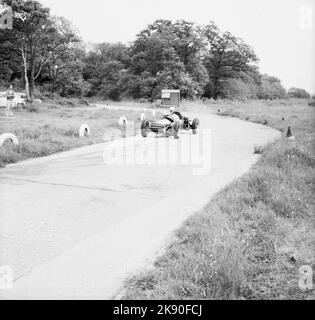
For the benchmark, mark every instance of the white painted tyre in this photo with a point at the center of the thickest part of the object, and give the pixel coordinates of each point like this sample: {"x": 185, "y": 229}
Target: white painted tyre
{"x": 84, "y": 130}
{"x": 8, "y": 136}
{"x": 123, "y": 121}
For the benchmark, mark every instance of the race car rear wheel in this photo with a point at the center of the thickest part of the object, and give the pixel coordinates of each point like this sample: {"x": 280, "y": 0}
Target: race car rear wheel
{"x": 177, "y": 130}
{"x": 145, "y": 126}
{"x": 195, "y": 125}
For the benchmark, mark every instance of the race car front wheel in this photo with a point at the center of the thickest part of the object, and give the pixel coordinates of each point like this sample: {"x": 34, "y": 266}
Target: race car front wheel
{"x": 145, "y": 128}
{"x": 195, "y": 125}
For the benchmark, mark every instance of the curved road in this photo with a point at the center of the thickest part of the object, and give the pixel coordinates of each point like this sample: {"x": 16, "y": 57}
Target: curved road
{"x": 74, "y": 225}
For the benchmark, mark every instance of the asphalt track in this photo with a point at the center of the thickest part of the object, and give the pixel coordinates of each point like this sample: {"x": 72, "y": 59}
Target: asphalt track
{"x": 74, "y": 225}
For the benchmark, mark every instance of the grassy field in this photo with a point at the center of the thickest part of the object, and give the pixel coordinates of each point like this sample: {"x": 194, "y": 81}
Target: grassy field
{"x": 52, "y": 128}
{"x": 251, "y": 239}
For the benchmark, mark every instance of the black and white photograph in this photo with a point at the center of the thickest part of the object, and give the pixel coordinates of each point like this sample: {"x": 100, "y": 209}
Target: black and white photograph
{"x": 157, "y": 151}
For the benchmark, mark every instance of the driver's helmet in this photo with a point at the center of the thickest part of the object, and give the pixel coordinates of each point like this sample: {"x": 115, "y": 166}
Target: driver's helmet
{"x": 172, "y": 110}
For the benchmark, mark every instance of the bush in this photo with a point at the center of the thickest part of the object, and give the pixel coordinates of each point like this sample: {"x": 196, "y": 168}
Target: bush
{"x": 298, "y": 93}
{"x": 38, "y": 95}
{"x": 157, "y": 103}
{"x": 52, "y": 96}
{"x": 258, "y": 149}
{"x": 238, "y": 89}
{"x": 66, "y": 102}
{"x": 271, "y": 88}
{"x": 312, "y": 103}
{"x": 143, "y": 100}
{"x": 32, "y": 107}
{"x": 84, "y": 102}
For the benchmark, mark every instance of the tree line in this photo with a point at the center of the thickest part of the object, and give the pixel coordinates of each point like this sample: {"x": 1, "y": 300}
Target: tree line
{"x": 45, "y": 54}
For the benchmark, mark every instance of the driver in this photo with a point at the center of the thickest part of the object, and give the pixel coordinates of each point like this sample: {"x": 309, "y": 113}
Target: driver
{"x": 172, "y": 117}
{"x": 175, "y": 114}
{"x": 178, "y": 116}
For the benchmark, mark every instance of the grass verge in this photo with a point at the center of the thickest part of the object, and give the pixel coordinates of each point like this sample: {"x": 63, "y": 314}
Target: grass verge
{"x": 51, "y": 128}
{"x": 251, "y": 239}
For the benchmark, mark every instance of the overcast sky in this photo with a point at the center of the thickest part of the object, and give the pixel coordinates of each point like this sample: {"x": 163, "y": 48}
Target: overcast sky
{"x": 281, "y": 31}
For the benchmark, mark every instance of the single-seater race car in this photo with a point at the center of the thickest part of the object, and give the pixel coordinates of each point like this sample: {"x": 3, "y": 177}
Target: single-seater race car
{"x": 170, "y": 124}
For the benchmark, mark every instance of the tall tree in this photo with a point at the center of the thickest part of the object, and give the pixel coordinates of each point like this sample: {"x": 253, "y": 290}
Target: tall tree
{"x": 170, "y": 54}
{"x": 103, "y": 68}
{"x": 189, "y": 43}
{"x": 227, "y": 56}
{"x": 39, "y": 38}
